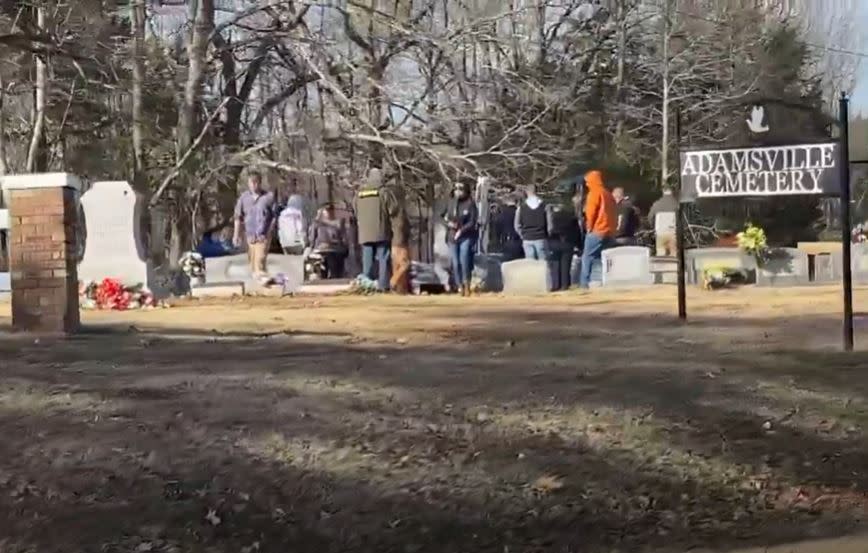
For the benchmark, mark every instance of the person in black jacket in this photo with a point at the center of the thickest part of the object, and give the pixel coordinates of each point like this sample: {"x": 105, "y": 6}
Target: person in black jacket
{"x": 532, "y": 225}
{"x": 507, "y": 239}
{"x": 462, "y": 218}
{"x": 628, "y": 218}
{"x": 564, "y": 238}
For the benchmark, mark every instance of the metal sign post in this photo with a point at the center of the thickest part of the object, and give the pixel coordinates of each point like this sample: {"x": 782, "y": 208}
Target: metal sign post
{"x": 771, "y": 170}
{"x": 846, "y": 231}
{"x": 679, "y": 231}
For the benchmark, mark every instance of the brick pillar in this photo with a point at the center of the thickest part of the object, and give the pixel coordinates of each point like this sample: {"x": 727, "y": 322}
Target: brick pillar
{"x": 43, "y": 210}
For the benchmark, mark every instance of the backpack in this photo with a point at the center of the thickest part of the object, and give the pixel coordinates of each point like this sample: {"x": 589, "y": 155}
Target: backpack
{"x": 291, "y": 227}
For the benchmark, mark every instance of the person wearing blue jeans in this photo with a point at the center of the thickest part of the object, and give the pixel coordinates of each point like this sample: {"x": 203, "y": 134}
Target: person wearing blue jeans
{"x": 535, "y": 249}
{"x": 532, "y": 224}
{"x": 382, "y": 252}
{"x": 462, "y": 218}
{"x": 463, "y": 251}
{"x": 373, "y": 205}
{"x": 593, "y": 251}
{"x": 600, "y": 223}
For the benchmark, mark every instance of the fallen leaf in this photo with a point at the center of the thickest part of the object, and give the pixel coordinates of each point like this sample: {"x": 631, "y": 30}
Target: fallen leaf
{"x": 212, "y": 517}
{"x": 547, "y": 484}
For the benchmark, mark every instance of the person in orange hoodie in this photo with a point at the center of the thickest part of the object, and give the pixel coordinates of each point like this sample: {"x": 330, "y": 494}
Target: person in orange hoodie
{"x": 601, "y": 221}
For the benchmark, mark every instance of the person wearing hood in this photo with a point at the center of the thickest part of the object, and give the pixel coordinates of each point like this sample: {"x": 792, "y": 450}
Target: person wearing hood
{"x": 292, "y": 225}
{"x": 601, "y": 219}
{"x": 373, "y": 218}
{"x": 532, "y": 224}
{"x": 462, "y": 218}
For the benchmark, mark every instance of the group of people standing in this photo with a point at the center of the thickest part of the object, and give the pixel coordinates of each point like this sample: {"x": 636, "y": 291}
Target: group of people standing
{"x": 593, "y": 219}
{"x": 259, "y": 214}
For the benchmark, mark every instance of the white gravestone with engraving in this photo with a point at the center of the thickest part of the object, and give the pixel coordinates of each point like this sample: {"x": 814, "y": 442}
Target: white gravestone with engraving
{"x": 627, "y": 266}
{"x": 114, "y": 245}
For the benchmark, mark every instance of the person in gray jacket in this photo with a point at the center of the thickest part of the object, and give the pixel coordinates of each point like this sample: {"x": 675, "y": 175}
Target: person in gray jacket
{"x": 374, "y": 227}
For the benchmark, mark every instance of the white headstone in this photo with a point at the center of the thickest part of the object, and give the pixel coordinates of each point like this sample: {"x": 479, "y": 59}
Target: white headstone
{"x": 442, "y": 256}
{"x": 627, "y": 266}
{"x": 858, "y": 262}
{"x": 5, "y": 277}
{"x": 526, "y": 277}
{"x": 113, "y": 248}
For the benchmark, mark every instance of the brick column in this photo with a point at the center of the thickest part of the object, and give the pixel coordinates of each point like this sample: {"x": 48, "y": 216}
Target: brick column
{"x": 43, "y": 210}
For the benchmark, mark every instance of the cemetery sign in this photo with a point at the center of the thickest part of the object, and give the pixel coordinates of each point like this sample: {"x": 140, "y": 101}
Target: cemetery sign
{"x": 761, "y": 171}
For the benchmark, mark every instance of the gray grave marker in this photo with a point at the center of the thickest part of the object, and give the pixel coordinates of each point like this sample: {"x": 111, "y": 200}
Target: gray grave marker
{"x": 697, "y": 260}
{"x": 627, "y": 266}
{"x": 785, "y": 267}
{"x": 859, "y": 262}
{"x": 235, "y": 269}
{"x": 526, "y": 277}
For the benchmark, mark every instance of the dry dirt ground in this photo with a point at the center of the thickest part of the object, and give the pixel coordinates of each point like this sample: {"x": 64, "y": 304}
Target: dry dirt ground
{"x": 570, "y": 423}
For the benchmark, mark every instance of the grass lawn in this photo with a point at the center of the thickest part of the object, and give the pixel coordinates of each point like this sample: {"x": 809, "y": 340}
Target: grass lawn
{"x": 567, "y": 423}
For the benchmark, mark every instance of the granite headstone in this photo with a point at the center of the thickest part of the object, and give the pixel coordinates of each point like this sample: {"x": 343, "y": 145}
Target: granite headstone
{"x": 526, "y": 277}
{"x": 858, "y": 262}
{"x": 627, "y": 266}
{"x": 697, "y": 260}
{"x": 235, "y": 269}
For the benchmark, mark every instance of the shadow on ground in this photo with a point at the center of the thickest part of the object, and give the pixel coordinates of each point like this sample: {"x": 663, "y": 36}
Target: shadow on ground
{"x": 512, "y": 432}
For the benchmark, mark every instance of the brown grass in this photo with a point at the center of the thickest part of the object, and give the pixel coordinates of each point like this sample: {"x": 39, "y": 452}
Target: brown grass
{"x": 569, "y": 422}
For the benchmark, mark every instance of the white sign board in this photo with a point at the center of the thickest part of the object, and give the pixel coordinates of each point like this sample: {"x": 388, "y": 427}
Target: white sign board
{"x": 764, "y": 171}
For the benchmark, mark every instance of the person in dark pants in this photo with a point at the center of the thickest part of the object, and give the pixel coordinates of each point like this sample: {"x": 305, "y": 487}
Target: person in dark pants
{"x": 328, "y": 236}
{"x": 628, "y": 218}
{"x": 562, "y": 245}
{"x": 462, "y": 218}
{"x": 374, "y": 228}
{"x": 600, "y": 220}
{"x": 532, "y": 224}
{"x": 507, "y": 239}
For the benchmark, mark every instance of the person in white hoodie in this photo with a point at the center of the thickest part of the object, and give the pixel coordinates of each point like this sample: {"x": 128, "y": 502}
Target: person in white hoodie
{"x": 532, "y": 223}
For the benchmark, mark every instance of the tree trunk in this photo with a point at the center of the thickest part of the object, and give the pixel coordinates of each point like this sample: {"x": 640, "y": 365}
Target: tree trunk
{"x": 197, "y": 49}
{"x": 37, "y": 139}
{"x": 619, "y": 79}
{"x": 664, "y": 148}
{"x": 138, "y": 37}
{"x": 4, "y": 166}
